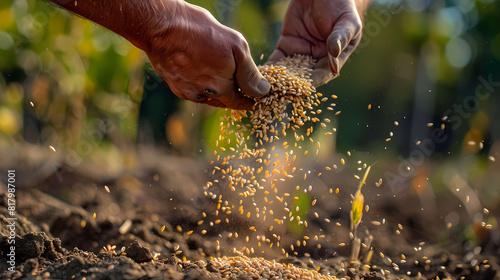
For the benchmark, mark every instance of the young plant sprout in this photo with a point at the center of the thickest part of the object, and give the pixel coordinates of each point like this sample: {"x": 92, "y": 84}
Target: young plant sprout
{"x": 356, "y": 216}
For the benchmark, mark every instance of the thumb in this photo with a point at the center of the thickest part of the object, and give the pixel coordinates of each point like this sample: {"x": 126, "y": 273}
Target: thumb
{"x": 247, "y": 76}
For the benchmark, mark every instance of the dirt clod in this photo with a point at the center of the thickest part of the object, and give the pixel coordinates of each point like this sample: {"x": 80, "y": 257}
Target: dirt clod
{"x": 138, "y": 253}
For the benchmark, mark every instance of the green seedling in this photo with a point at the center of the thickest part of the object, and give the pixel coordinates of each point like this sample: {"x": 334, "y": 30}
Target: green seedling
{"x": 356, "y": 216}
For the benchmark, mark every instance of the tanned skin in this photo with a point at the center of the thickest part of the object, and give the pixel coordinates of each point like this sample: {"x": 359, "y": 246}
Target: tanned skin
{"x": 328, "y": 30}
{"x": 207, "y": 62}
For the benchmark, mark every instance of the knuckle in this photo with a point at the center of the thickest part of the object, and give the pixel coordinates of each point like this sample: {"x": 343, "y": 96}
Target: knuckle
{"x": 240, "y": 41}
{"x": 187, "y": 92}
{"x": 352, "y": 20}
{"x": 200, "y": 98}
{"x": 332, "y": 39}
{"x": 357, "y": 24}
{"x": 253, "y": 79}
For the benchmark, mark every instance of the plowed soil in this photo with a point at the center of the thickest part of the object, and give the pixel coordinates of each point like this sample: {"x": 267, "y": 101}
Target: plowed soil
{"x": 141, "y": 228}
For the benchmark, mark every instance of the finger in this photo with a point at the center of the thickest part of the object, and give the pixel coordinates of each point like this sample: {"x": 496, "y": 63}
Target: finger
{"x": 184, "y": 90}
{"x": 247, "y": 76}
{"x": 218, "y": 104}
{"x": 239, "y": 106}
{"x": 348, "y": 51}
{"x": 237, "y": 101}
{"x": 345, "y": 30}
{"x": 289, "y": 45}
{"x": 323, "y": 70}
{"x": 213, "y": 103}
{"x": 232, "y": 100}
{"x": 246, "y": 104}
{"x": 322, "y": 73}
{"x": 230, "y": 96}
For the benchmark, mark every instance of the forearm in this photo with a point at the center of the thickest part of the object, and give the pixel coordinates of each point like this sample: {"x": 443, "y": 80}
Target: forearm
{"x": 135, "y": 20}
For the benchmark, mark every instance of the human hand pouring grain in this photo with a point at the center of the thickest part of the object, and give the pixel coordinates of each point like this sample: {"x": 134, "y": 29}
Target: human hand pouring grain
{"x": 206, "y": 62}
{"x": 327, "y": 30}
{"x": 201, "y": 60}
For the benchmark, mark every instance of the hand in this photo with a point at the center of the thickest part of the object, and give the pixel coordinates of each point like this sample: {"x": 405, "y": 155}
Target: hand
{"x": 204, "y": 61}
{"x": 328, "y": 30}
{"x": 201, "y": 60}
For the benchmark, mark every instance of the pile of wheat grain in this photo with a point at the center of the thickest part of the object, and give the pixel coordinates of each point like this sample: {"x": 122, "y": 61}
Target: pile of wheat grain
{"x": 241, "y": 267}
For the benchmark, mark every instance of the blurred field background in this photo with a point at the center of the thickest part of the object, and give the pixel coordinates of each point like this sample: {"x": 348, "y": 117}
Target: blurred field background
{"x": 72, "y": 85}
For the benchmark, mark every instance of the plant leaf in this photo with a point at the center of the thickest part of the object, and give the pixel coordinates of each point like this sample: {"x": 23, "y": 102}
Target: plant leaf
{"x": 364, "y": 177}
{"x": 358, "y": 203}
{"x": 357, "y": 208}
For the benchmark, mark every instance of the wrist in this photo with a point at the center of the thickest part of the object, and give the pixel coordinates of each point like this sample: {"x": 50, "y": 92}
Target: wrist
{"x": 185, "y": 24}
{"x": 147, "y": 20}
{"x": 136, "y": 21}
{"x": 155, "y": 23}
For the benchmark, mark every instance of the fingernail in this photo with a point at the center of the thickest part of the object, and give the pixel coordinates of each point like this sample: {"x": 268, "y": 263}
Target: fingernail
{"x": 333, "y": 64}
{"x": 331, "y": 58}
{"x": 263, "y": 86}
{"x": 340, "y": 47}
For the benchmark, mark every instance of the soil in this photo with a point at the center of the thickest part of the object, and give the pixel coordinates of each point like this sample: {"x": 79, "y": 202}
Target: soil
{"x": 142, "y": 226}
